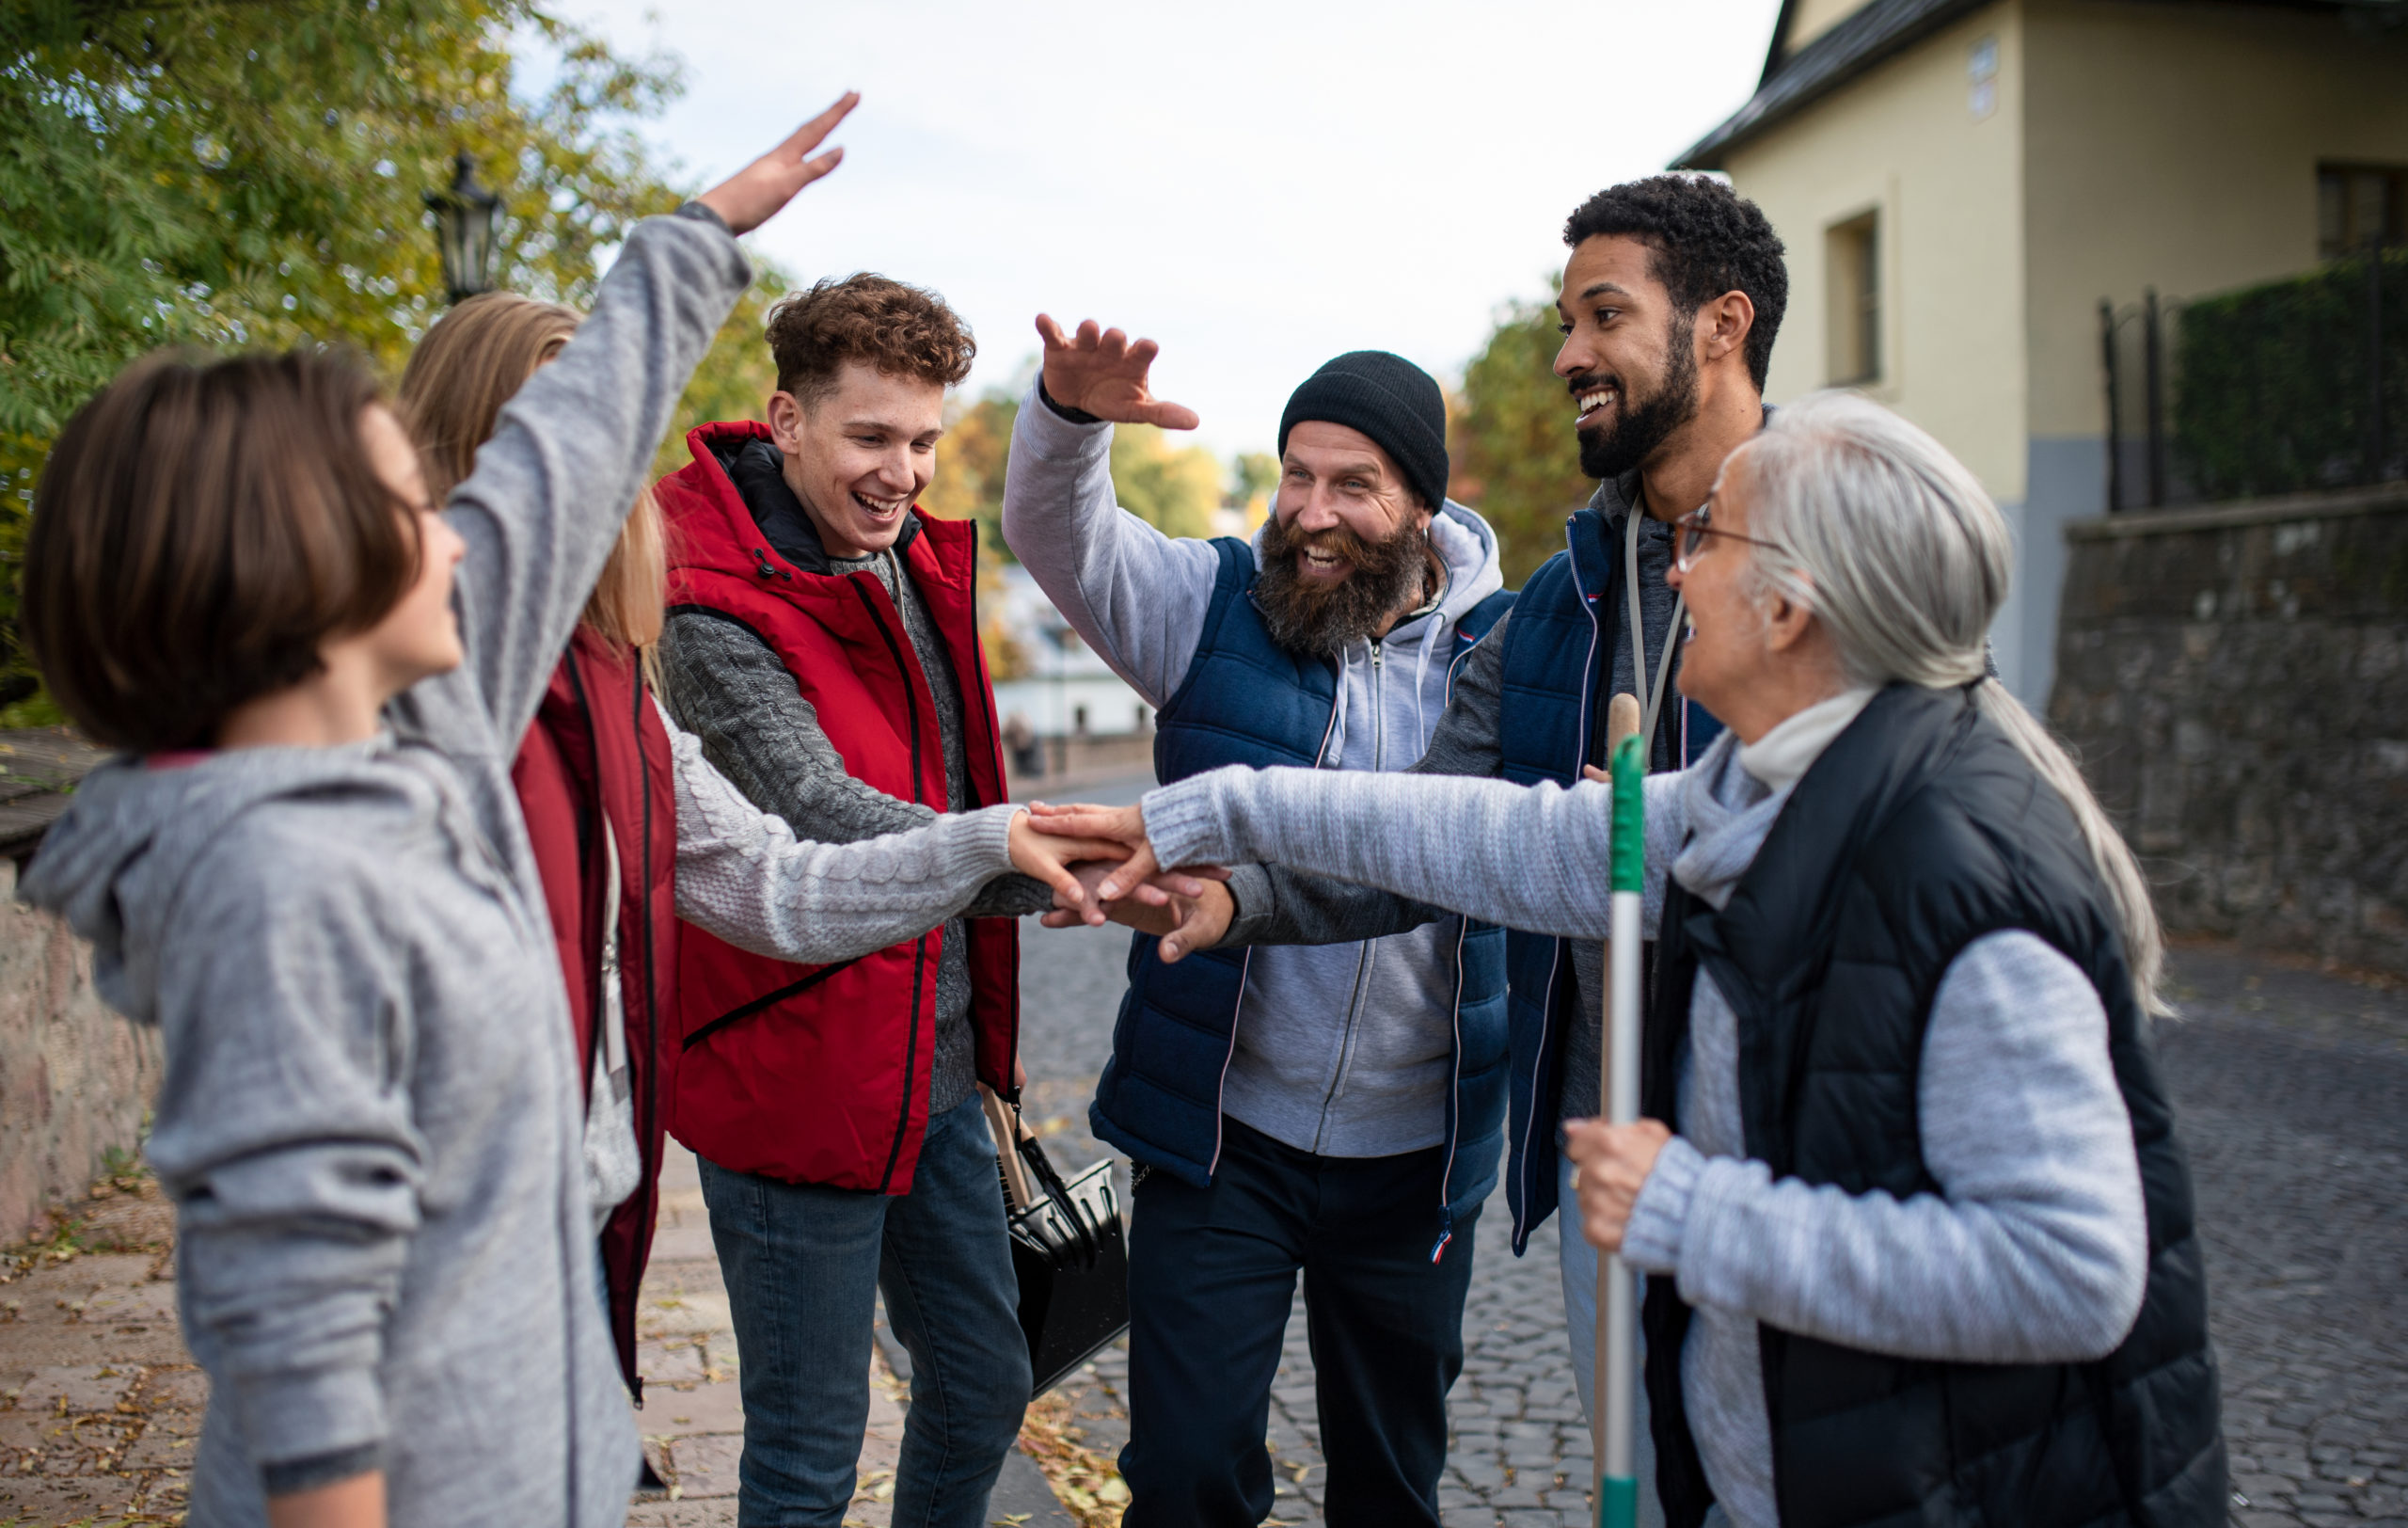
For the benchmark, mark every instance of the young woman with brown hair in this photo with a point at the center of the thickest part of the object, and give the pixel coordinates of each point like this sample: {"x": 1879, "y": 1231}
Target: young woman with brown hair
{"x": 630, "y": 824}
{"x": 311, "y": 870}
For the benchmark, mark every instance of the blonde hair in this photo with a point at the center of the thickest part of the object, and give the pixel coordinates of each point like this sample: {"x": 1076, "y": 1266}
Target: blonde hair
{"x": 1903, "y": 559}
{"x": 471, "y": 363}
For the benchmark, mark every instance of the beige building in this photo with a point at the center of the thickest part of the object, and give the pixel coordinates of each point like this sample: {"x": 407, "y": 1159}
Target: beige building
{"x": 1960, "y": 183}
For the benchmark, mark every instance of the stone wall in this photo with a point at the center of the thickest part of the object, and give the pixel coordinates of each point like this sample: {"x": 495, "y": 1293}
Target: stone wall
{"x": 2235, "y": 682}
{"x": 76, "y": 1079}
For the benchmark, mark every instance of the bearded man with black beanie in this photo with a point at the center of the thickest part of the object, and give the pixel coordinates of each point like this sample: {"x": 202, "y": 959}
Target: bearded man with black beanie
{"x": 1335, "y": 1110}
{"x": 1672, "y": 296}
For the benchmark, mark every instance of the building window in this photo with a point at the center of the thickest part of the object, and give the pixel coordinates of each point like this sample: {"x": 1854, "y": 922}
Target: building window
{"x": 1852, "y": 257}
{"x": 1981, "y": 76}
{"x": 2359, "y": 202}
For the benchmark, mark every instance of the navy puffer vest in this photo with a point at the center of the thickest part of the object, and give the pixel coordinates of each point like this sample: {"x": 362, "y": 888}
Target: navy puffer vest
{"x": 1556, "y": 645}
{"x": 1248, "y": 700}
{"x": 1920, "y": 830}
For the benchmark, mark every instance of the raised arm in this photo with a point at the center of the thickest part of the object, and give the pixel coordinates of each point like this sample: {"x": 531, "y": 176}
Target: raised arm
{"x": 572, "y": 449}
{"x": 1136, "y": 595}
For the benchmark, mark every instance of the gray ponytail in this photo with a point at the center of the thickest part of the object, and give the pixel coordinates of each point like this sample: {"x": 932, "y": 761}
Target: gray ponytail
{"x": 1905, "y": 560}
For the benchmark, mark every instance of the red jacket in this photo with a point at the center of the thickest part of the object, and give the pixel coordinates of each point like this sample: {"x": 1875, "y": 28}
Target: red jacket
{"x": 820, "y": 1074}
{"x": 596, "y": 760}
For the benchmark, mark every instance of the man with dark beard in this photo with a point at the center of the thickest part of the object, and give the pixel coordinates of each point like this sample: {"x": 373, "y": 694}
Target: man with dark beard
{"x": 1672, "y": 296}
{"x": 1335, "y": 1109}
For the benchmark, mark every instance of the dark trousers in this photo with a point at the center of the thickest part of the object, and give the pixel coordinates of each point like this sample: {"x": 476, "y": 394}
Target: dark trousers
{"x": 1212, "y": 1275}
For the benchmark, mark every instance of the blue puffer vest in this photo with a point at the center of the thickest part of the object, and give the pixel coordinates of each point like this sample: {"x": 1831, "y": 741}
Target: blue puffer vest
{"x": 1246, "y": 700}
{"x": 1554, "y": 647}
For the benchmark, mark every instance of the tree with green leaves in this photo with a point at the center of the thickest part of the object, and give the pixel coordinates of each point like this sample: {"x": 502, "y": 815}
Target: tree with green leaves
{"x": 230, "y": 174}
{"x": 1516, "y": 459}
{"x": 1173, "y": 489}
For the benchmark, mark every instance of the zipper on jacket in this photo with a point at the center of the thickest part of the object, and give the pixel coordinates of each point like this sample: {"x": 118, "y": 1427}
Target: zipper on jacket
{"x": 1221, "y": 1091}
{"x": 987, "y": 692}
{"x": 651, "y": 1101}
{"x": 920, "y": 945}
{"x": 1555, "y": 966}
{"x": 1365, "y": 950}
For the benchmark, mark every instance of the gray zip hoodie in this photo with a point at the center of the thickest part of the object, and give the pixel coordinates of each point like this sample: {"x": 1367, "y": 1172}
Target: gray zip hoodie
{"x": 369, "y": 1120}
{"x": 1342, "y": 1049}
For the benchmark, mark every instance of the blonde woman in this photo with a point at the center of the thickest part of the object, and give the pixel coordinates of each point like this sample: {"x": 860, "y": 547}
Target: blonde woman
{"x": 633, "y": 828}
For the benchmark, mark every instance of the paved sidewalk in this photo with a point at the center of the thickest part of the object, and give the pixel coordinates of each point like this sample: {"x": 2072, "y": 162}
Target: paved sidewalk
{"x": 692, "y": 1417}
{"x": 99, "y": 1403}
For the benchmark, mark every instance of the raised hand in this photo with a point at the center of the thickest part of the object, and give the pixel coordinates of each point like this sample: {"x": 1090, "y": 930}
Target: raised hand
{"x": 1102, "y": 371}
{"x": 1037, "y": 851}
{"x": 754, "y": 195}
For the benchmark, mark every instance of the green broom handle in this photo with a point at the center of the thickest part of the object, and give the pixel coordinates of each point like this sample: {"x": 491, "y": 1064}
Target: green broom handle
{"x": 1617, "y": 1312}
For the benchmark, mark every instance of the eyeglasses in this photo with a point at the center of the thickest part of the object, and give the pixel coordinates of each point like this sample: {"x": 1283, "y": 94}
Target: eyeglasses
{"x": 1691, "y": 531}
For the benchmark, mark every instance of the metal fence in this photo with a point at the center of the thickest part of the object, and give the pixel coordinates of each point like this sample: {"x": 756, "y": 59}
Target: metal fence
{"x": 2278, "y": 388}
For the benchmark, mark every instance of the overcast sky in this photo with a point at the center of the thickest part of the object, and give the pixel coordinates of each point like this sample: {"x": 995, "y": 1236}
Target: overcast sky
{"x": 1259, "y": 187}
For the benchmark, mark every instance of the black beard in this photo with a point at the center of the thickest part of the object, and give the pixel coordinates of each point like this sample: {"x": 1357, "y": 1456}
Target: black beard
{"x": 1646, "y": 424}
{"x": 1326, "y": 620}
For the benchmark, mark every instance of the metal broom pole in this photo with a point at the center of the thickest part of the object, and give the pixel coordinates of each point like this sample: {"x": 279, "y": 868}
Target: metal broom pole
{"x": 1616, "y": 1376}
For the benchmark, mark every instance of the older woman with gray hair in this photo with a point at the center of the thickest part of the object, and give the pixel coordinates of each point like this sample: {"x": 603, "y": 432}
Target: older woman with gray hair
{"x": 1922, "y": 1247}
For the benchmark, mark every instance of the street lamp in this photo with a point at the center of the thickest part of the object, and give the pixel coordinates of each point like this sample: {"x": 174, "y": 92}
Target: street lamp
{"x": 464, "y": 219}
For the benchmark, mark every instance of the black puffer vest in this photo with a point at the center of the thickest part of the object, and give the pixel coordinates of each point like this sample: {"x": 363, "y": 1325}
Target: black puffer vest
{"x": 1917, "y": 831}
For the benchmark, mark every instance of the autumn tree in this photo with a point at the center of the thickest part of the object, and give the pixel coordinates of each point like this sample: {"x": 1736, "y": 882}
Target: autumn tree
{"x": 1516, "y": 459}
{"x": 231, "y": 175}
{"x": 1174, "y": 489}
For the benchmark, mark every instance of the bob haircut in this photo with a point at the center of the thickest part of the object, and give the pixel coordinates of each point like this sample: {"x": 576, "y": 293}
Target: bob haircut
{"x": 472, "y": 362}
{"x": 200, "y": 530}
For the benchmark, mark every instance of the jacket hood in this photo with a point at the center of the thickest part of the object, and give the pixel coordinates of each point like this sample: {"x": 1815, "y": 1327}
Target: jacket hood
{"x": 113, "y": 865}
{"x": 755, "y": 472}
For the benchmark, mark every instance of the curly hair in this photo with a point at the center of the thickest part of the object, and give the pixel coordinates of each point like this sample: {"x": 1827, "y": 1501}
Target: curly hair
{"x": 901, "y": 331}
{"x": 1704, "y": 239}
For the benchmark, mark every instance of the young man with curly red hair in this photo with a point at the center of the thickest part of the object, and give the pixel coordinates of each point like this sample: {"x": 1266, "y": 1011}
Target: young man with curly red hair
{"x": 821, "y": 643}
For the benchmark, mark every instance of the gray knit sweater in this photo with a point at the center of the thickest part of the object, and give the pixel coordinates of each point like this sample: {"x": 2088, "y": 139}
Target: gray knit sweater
{"x": 2034, "y": 1251}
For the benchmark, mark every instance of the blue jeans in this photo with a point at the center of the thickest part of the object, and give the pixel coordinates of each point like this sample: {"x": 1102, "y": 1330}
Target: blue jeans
{"x": 1578, "y": 1261}
{"x": 803, "y": 1264}
{"x": 1211, "y": 1278}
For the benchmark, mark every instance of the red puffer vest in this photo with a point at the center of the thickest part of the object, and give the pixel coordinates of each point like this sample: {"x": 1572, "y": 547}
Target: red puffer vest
{"x": 820, "y": 1074}
{"x": 596, "y": 760}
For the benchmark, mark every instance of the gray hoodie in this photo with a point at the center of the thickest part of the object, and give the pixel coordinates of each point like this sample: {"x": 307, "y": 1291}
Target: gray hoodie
{"x": 1342, "y": 1049}
{"x": 369, "y": 1120}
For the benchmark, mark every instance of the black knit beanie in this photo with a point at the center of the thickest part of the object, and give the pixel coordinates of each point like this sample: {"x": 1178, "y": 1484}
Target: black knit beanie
{"x": 1392, "y": 400}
